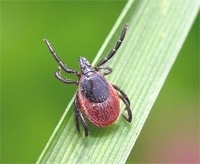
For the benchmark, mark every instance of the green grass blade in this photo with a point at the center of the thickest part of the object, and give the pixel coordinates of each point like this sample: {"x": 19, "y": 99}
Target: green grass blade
{"x": 157, "y": 31}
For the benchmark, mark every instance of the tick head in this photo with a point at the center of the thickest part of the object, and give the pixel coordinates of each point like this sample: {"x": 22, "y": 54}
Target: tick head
{"x": 85, "y": 65}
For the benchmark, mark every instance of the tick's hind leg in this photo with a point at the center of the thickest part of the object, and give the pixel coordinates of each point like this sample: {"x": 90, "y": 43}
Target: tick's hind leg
{"x": 129, "y": 118}
{"x": 122, "y": 93}
{"x": 126, "y": 101}
{"x": 78, "y": 115}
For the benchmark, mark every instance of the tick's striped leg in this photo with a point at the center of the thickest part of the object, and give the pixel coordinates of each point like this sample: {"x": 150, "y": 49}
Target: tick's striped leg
{"x": 64, "y": 80}
{"x": 107, "y": 70}
{"x": 129, "y": 118}
{"x": 126, "y": 101}
{"x": 78, "y": 115}
{"x": 122, "y": 93}
{"x": 61, "y": 64}
{"x": 114, "y": 50}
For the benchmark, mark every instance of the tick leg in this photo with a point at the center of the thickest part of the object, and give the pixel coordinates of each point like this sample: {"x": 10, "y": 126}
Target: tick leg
{"x": 129, "y": 118}
{"x": 114, "y": 50}
{"x": 64, "y": 80}
{"x": 126, "y": 101}
{"x": 122, "y": 93}
{"x": 107, "y": 70}
{"x": 78, "y": 115}
{"x": 61, "y": 64}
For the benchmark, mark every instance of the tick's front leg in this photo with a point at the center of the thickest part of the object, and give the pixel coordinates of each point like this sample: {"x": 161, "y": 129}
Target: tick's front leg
{"x": 64, "y": 80}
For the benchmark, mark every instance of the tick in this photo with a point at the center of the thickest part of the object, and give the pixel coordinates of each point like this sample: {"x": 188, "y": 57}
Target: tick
{"x": 96, "y": 98}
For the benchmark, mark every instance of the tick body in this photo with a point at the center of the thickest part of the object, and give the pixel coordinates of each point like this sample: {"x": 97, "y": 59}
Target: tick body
{"x": 96, "y": 98}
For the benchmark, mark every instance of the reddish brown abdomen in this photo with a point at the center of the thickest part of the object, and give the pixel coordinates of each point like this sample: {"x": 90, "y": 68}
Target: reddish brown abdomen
{"x": 101, "y": 113}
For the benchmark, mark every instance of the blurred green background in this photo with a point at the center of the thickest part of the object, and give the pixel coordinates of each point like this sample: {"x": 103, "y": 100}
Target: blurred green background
{"x": 33, "y": 100}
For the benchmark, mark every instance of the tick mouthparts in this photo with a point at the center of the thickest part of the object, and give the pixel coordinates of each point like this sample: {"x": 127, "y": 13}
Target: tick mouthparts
{"x": 85, "y": 65}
